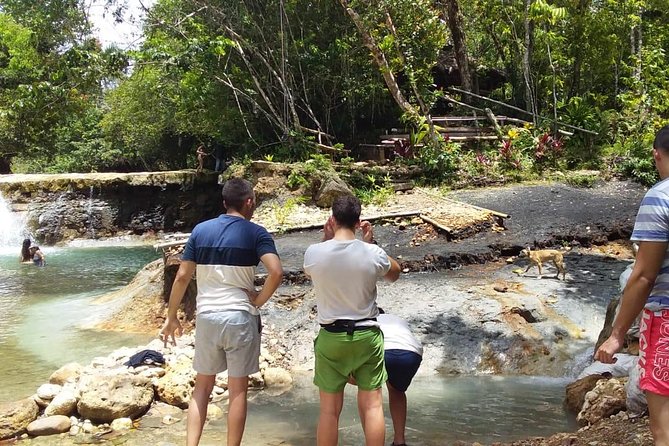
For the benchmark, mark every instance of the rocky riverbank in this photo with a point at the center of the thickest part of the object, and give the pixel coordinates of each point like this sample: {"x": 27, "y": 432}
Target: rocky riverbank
{"x": 63, "y": 207}
{"x": 99, "y": 401}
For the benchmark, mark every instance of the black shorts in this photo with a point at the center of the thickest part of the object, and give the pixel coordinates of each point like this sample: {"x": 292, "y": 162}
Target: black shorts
{"x": 401, "y": 366}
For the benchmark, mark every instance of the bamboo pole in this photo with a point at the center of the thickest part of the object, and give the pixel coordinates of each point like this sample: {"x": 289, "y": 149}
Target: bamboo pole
{"x": 436, "y": 223}
{"x": 562, "y": 124}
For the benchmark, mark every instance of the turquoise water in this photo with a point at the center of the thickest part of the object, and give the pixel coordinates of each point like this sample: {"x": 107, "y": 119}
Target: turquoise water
{"x": 43, "y": 310}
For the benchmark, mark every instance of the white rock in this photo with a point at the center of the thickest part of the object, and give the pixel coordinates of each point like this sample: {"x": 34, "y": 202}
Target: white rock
{"x": 153, "y": 372}
{"x": 122, "y": 424}
{"x": 214, "y": 412}
{"x": 75, "y": 429}
{"x": 256, "y": 381}
{"x": 218, "y": 397}
{"x": 277, "y": 377}
{"x": 48, "y": 391}
{"x": 222, "y": 380}
{"x": 87, "y": 427}
{"x": 67, "y": 373}
{"x": 65, "y": 403}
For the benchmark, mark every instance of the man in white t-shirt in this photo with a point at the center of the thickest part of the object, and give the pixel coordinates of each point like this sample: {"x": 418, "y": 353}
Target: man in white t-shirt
{"x": 344, "y": 272}
{"x": 403, "y": 355}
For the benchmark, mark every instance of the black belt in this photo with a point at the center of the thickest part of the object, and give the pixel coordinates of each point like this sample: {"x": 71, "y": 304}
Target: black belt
{"x": 348, "y": 326}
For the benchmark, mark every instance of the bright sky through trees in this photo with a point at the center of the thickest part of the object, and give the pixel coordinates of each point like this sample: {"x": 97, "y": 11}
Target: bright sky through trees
{"x": 125, "y": 34}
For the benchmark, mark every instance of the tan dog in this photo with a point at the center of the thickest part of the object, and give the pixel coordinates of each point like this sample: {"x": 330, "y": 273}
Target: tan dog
{"x": 543, "y": 255}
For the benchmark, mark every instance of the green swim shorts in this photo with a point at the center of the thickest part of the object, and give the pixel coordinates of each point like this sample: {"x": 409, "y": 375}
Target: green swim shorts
{"x": 339, "y": 355}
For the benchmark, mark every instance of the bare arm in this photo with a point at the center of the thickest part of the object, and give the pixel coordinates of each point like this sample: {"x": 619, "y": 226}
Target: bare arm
{"x": 272, "y": 282}
{"x": 368, "y": 236}
{"x": 648, "y": 263}
{"x": 394, "y": 272}
{"x": 181, "y": 281}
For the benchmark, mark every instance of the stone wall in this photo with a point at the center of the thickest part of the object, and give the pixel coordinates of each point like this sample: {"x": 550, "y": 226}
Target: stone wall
{"x": 64, "y": 207}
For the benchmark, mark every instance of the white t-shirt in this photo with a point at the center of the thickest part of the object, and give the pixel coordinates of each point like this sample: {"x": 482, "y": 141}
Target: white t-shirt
{"x": 344, "y": 274}
{"x": 397, "y": 334}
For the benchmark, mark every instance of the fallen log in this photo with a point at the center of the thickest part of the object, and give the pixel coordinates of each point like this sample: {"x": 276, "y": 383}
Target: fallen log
{"x": 436, "y": 223}
{"x": 495, "y": 213}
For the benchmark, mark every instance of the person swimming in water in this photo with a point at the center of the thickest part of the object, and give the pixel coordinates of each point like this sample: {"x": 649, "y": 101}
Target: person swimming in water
{"x": 26, "y": 256}
{"x": 37, "y": 256}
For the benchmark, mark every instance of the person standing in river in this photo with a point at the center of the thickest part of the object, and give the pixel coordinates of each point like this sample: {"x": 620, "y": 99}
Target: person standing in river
{"x": 225, "y": 252}
{"x": 26, "y": 256}
{"x": 344, "y": 271}
{"x": 647, "y": 291}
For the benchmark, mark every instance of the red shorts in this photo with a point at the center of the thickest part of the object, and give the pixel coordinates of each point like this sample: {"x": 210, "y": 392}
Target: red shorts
{"x": 654, "y": 352}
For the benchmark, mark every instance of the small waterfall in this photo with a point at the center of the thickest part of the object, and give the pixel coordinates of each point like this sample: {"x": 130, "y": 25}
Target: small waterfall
{"x": 89, "y": 212}
{"x": 12, "y": 227}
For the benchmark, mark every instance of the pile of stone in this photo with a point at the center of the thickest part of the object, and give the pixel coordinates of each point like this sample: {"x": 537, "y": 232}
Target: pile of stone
{"x": 106, "y": 396}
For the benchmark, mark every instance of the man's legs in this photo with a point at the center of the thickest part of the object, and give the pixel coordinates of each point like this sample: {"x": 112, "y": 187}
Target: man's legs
{"x": 238, "y": 389}
{"x": 370, "y": 407}
{"x": 197, "y": 408}
{"x": 398, "y": 411}
{"x": 327, "y": 433}
{"x": 658, "y": 407}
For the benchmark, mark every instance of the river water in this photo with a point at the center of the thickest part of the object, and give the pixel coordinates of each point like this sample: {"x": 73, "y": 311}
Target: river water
{"x": 44, "y": 310}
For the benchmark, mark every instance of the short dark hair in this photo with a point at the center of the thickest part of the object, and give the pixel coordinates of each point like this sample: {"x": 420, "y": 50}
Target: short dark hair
{"x": 235, "y": 192}
{"x": 346, "y": 210}
{"x": 662, "y": 139}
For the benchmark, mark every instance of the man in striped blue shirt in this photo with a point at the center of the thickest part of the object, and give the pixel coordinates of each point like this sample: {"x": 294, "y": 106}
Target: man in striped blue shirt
{"x": 224, "y": 252}
{"x": 647, "y": 290}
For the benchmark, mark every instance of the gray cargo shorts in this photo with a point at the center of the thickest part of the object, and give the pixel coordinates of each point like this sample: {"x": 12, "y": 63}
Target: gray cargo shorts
{"x": 227, "y": 340}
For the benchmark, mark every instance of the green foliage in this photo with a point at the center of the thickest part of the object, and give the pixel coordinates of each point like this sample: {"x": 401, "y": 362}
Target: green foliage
{"x": 296, "y": 180}
{"x": 440, "y": 160}
{"x": 578, "y": 179}
{"x": 376, "y": 191}
{"x": 283, "y": 210}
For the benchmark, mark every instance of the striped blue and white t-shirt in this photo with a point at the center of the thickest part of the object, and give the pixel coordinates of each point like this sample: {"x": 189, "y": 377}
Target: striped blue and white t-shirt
{"x": 652, "y": 225}
{"x": 227, "y": 250}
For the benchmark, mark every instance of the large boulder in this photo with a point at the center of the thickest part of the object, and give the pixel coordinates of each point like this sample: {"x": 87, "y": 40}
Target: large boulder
{"x": 15, "y": 417}
{"x": 576, "y": 391}
{"x": 106, "y": 398}
{"x": 606, "y": 399}
{"x": 67, "y": 373}
{"x": 176, "y": 387}
{"x": 331, "y": 188}
{"x": 56, "y": 424}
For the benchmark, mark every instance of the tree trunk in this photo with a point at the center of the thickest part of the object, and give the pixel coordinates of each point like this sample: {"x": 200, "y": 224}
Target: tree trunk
{"x": 455, "y": 24}
{"x": 527, "y": 60}
{"x": 581, "y": 11}
{"x": 382, "y": 63}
